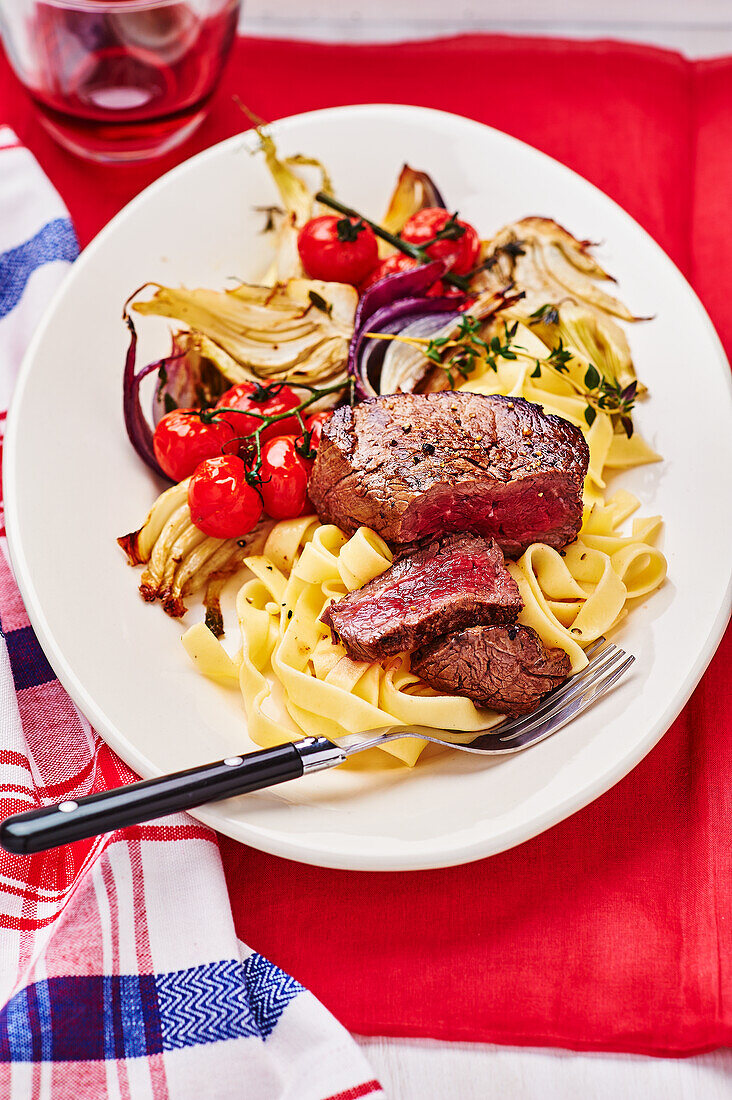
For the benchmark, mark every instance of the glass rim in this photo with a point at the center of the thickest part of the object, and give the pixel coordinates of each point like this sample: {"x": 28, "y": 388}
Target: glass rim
{"x": 114, "y": 7}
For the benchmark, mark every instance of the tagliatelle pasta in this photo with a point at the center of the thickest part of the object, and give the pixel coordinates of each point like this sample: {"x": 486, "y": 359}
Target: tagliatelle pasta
{"x": 571, "y": 597}
{"x": 287, "y": 651}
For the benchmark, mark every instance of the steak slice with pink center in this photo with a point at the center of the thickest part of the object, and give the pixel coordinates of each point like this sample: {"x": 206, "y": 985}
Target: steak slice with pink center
{"x": 452, "y": 583}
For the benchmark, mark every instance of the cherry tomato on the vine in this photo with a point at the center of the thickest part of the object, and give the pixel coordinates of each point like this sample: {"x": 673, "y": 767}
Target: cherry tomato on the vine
{"x": 314, "y": 424}
{"x": 264, "y": 400}
{"x": 222, "y": 503}
{"x": 337, "y": 250}
{"x": 459, "y": 252}
{"x": 284, "y": 474}
{"x": 182, "y": 440}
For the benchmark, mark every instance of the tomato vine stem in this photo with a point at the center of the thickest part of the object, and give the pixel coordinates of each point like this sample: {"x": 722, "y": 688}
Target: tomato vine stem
{"x": 210, "y": 416}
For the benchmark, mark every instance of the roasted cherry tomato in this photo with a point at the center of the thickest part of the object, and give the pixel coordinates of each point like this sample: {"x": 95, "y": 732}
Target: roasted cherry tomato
{"x": 183, "y": 440}
{"x": 264, "y": 400}
{"x": 459, "y": 253}
{"x": 314, "y": 425}
{"x": 284, "y": 485}
{"x": 338, "y": 250}
{"x": 222, "y": 504}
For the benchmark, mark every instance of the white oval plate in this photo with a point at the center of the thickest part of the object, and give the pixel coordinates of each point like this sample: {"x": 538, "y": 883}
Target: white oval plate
{"x": 73, "y": 483}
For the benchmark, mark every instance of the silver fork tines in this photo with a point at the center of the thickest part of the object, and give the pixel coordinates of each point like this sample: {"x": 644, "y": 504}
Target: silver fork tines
{"x": 595, "y": 673}
{"x": 606, "y": 665}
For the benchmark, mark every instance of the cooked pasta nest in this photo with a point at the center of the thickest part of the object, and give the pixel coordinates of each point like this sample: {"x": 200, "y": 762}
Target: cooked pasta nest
{"x": 295, "y": 679}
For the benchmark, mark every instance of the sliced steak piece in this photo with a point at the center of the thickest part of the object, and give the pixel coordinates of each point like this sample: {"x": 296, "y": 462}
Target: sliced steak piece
{"x": 504, "y": 667}
{"x": 452, "y": 583}
{"x": 416, "y": 466}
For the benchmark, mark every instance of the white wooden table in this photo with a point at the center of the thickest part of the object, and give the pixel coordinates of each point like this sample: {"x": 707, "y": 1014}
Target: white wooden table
{"x": 414, "y": 1069}
{"x": 420, "y": 1069}
{"x": 698, "y": 28}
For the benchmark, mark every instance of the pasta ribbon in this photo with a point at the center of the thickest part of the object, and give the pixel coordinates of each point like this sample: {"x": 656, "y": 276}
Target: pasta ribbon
{"x": 296, "y": 679}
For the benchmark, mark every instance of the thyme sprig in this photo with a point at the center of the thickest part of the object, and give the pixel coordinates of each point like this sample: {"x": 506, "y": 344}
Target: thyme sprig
{"x": 609, "y": 396}
{"x": 602, "y": 393}
{"x": 558, "y": 358}
{"x": 467, "y": 349}
{"x": 251, "y": 442}
{"x": 461, "y": 353}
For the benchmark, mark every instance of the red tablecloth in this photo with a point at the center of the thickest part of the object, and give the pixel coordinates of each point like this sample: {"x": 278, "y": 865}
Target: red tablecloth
{"x": 612, "y": 930}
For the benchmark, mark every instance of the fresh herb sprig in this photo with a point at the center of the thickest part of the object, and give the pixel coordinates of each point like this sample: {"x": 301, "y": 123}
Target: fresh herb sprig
{"x": 559, "y": 357}
{"x": 602, "y": 393}
{"x": 467, "y": 349}
{"x": 461, "y": 354}
{"x": 502, "y": 349}
{"x": 605, "y": 394}
{"x": 471, "y": 348}
{"x": 608, "y": 395}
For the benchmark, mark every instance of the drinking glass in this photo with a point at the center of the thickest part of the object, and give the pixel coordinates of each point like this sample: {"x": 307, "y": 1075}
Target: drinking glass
{"x": 123, "y": 80}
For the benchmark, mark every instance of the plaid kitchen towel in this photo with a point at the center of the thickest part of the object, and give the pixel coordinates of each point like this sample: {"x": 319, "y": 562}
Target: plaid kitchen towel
{"x": 120, "y": 971}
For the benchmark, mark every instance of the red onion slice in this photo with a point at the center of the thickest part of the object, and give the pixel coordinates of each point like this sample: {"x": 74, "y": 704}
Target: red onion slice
{"x": 138, "y": 429}
{"x": 366, "y": 355}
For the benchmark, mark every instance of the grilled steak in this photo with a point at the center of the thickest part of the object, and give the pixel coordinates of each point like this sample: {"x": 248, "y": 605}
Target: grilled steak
{"x": 412, "y": 466}
{"x": 504, "y": 667}
{"x": 455, "y": 582}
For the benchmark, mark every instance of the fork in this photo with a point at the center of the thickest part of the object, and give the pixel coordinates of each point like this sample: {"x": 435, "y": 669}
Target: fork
{"x": 51, "y": 826}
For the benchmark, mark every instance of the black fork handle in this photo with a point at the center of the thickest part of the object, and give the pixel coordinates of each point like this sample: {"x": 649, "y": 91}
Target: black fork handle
{"x": 51, "y": 826}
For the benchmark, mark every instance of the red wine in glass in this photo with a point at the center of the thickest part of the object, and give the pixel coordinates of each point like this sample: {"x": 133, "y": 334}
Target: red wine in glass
{"x": 126, "y": 80}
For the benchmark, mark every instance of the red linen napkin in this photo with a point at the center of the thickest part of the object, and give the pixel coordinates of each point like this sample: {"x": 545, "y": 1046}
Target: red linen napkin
{"x": 612, "y": 930}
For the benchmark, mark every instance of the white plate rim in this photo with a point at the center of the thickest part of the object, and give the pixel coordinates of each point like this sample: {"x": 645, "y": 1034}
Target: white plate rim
{"x": 74, "y": 686}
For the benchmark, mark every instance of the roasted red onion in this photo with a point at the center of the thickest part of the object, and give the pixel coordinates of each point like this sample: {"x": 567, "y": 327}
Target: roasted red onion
{"x": 388, "y": 307}
{"x": 138, "y": 428}
{"x": 412, "y": 283}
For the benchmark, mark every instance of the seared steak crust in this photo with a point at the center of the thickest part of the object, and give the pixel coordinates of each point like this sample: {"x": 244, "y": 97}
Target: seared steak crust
{"x": 416, "y": 466}
{"x": 452, "y": 583}
{"x": 506, "y": 668}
